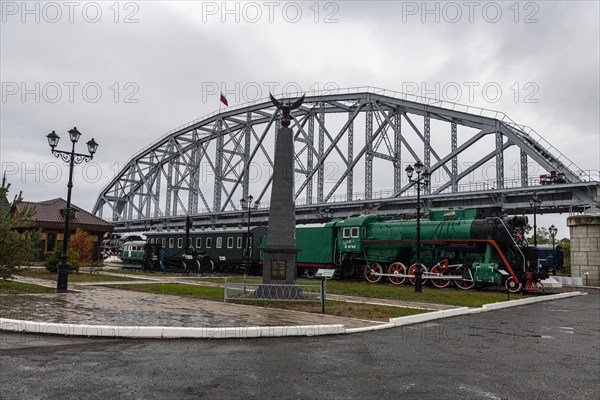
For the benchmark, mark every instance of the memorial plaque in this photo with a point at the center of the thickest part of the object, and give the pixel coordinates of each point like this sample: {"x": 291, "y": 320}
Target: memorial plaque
{"x": 278, "y": 269}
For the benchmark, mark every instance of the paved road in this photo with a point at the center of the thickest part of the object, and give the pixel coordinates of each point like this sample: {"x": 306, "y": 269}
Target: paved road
{"x": 547, "y": 350}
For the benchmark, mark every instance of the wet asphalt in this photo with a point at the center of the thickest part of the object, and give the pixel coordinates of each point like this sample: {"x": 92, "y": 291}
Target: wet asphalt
{"x": 548, "y": 350}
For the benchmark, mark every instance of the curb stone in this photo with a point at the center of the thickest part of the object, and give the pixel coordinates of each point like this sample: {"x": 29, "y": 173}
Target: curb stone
{"x": 162, "y": 332}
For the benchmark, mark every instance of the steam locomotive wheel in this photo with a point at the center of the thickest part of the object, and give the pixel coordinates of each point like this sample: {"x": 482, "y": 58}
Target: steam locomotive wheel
{"x": 512, "y": 285}
{"x": 440, "y": 283}
{"x": 411, "y": 271}
{"x": 371, "y": 269}
{"x": 397, "y": 268}
{"x": 462, "y": 284}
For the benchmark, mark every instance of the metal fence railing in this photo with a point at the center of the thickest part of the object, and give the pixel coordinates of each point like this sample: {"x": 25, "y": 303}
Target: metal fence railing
{"x": 240, "y": 290}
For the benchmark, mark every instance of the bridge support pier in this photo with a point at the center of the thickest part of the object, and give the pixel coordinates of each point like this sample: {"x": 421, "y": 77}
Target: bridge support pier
{"x": 585, "y": 247}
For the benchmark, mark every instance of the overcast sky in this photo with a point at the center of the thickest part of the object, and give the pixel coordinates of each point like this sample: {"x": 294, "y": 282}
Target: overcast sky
{"x": 126, "y": 73}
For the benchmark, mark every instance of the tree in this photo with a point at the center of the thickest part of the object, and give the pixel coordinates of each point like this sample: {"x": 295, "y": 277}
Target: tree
{"x": 17, "y": 249}
{"x": 566, "y": 246}
{"x": 82, "y": 245}
{"x": 80, "y": 251}
{"x": 543, "y": 235}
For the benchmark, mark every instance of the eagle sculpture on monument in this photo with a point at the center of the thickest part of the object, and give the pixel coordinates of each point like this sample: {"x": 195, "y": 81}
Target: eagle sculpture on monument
{"x": 286, "y": 108}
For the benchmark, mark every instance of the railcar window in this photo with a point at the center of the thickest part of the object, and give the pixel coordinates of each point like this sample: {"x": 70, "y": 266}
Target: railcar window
{"x": 239, "y": 242}
{"x": 364, "y": 232}
{"x": 171, "y": 243}
{"x": 208, "y": 242}
{"x": 198, "y": 242}
{"x": 248, "y": 241}
{"x": 219, "y": 242}
{"x": 346, "y": 233}
{"x": 179, "y": 243}
{"x": 164, "y": 242}
{"x": 189, "y": 242}
{"x": 230, "y": 242}
{"x": 354, "y": 232}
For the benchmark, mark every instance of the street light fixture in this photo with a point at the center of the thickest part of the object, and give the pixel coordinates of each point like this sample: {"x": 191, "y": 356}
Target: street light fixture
{"x": 422, "y": 180}
{"x": 246, "y": 204}
{"x": 535, "y": 201}
{"x": 71, "y": 158}
{"x": 553, "y": 231}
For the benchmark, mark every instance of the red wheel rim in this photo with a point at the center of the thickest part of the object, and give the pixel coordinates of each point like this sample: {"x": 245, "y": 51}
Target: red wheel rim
{"x": 411, "y": 271}
{"x": 371, "y": 269}
{"x": 397, "y": 268}
{"x": 465, "y": 285}
{"x": 440, "y": 283}
{"x": 512, "y": 285}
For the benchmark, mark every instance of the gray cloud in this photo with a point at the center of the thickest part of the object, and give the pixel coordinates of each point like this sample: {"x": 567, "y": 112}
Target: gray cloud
{"x": 169, "y": 57}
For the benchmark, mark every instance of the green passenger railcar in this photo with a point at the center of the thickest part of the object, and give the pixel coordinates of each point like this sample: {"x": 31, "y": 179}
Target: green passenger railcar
{"x": 221, "y": 249}
{"x": 133, "y": 252}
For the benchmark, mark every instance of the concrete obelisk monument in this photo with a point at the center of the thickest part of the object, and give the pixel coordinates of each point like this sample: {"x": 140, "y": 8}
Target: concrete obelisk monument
{"x": 279, "y": 264}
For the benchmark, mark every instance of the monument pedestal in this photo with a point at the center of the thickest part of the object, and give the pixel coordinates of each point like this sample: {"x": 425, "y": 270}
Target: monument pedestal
{"x": 279, "y": 264}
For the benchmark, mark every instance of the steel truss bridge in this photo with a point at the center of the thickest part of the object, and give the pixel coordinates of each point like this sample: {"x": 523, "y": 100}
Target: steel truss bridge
{"x": 351, "y": 149}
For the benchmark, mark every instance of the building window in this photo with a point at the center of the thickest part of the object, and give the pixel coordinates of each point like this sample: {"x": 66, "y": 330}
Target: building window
{"x": 230, "y": 242}
{"x": 219, "y": 242}
{"x": 179, "y": 243}
{"x": 239, "y": 242}
{"x": 198, "y": 243}
{"x": 208, "y": 242}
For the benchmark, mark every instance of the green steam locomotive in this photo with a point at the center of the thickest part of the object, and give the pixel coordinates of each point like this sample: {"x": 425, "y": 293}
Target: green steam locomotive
{"x": 469, "y": 247}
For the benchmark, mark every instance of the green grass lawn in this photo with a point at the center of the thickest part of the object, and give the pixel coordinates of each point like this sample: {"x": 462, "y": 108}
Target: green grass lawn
{"x": 140, "y": 273}
{"x": 335, "y": 308}
{"x": 9, "y": 287}
{"x": 73, "y": 277}
{"x": 429, "y": 294}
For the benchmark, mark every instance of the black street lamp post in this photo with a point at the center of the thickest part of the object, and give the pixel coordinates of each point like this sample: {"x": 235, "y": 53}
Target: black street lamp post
{"x": 535, "y": 201}
{"x": 553, "y": 231}
{"x": 247, "y": 205}
{"x": 422, "y": 179}
{"x": 72, "y": 158}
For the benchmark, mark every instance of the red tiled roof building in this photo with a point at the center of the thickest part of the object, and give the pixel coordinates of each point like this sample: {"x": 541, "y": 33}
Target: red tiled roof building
{"x": 50, "y": 217}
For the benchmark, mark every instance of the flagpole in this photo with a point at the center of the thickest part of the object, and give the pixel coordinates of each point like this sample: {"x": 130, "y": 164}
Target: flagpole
{"x": 218, "y": 120}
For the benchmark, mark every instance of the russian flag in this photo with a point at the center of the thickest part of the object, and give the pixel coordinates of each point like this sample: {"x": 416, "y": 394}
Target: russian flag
{"x": 224, "y": 100}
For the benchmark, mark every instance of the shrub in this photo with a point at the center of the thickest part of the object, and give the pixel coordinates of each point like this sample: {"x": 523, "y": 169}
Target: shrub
{"x": 74, "y": 261}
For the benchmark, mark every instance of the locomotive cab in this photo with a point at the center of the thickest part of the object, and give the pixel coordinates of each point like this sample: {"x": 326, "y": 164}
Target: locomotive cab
{"x": 352, "y": 231}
